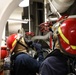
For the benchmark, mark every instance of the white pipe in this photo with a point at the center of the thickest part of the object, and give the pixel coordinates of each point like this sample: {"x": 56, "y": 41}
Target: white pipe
{"x": 61, "y": 5}
{"x": 42, "y": 37}
{"x": 72, "y": 16}
{"x": 52, "y": 19}
{"x": 29, "y": 17}
{"x": 55, "y": 19}
{"x": 45, "y": 11}
{"x": 55, "y": 10}
{"x": 64, "y": 0}
{"x": 18, "y": 20}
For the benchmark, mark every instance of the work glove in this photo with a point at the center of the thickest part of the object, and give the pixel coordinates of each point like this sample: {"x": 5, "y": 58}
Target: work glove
{"x": 29, "y": 43}
{"x": 37, "y": 47}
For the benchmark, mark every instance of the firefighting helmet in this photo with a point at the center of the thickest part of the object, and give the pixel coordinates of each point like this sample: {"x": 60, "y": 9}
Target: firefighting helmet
{"x": 3, "y": 52}
{"x": 67, "y": 36}
{"x": 11, "y": 41}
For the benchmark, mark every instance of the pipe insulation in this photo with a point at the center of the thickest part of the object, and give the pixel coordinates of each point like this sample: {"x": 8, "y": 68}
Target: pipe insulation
{"x": 65, "y": 0}
{"x": 47, "y": 36}
{"x": 61, "y": 5}
{"x": 55, "y": 10}
{"x": 55, "y": 19}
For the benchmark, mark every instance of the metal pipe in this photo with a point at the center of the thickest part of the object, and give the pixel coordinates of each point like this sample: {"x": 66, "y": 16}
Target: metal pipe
{"x": 55, "y": 19}
{"x": 61, "y": 5}
{"x": 29, "y": 17}
{"x": 45, "y": 12}
{"x": 18, "y": 20}
{"x": 51, "y": 5}
{"x": 65, "y": 0}
{"x": 72, "y": 16}
{"x": 42, "y": 37}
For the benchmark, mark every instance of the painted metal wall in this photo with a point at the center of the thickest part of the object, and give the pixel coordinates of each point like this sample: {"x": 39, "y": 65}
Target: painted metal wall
{"x": 6, "y": 8}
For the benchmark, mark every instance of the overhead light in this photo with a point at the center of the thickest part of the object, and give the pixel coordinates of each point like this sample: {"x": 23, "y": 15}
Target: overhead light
{"x": 24, "y": 3}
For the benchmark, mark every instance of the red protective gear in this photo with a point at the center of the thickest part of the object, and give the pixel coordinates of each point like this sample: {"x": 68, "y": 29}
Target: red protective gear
{"x": 67, "y": 36}
{"x": 11, "y": 41}
{"x": 3, "y": 52}
{"x": 45, "y": 26}
{"x": 51, "y": 42}
{"x": 1, "y": 72}
{"x": 30, "y": 34}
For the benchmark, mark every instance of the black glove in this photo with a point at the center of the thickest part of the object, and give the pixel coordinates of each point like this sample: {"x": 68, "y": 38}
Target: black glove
{"x": 39, "y": 54}
{"x": 38, "y": 47}
{"x": 28, "y": 42}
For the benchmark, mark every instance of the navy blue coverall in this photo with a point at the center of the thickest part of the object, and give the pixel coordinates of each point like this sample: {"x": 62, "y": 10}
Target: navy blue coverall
{"x": 54, "y": 64}
{"x": 24, "y": 64}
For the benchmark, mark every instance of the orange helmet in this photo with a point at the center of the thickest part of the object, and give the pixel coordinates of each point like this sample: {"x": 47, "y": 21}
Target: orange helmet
{"x": 11, "y": 41}
{"x": 3, "y": 52}
{"x": 67, "y": 36}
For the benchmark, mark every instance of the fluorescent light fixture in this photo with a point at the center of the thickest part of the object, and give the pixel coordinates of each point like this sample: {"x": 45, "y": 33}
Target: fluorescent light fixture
{"x": 24, "y": 3}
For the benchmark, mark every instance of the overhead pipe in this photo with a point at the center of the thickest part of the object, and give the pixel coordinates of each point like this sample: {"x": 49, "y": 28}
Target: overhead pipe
{"x": 55, "y": 19}
{"x": 42, "y": 37}
{"x": 18, "y": 20}
{"x": 29, "y": 17}
{"x": 45, "y": 11}
{"x": 72, "y": 16}
{"x": 61, "y": 5}
{"x": 65, "y": 1}
{"x": 54, "y": 8}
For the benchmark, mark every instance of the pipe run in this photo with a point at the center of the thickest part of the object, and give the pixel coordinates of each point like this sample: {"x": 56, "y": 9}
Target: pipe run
{"x": 61, "y": 5}
{"x": 42, "y": 37}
